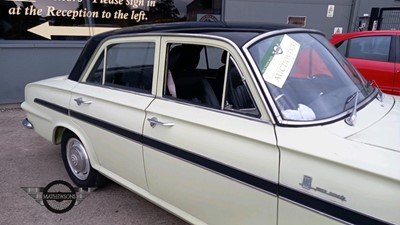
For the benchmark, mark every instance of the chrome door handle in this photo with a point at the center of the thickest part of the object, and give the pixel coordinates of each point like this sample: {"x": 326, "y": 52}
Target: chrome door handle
{"x": 80, "y": 101}
{"x": 154, "y": 121}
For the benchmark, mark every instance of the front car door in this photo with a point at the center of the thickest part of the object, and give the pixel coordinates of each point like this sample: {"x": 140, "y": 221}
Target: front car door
{"x": 374, "y": 57}
{"x": 325, "y": 177}
{"x": 206, "y": 151}
{"x": 109, "y": 104}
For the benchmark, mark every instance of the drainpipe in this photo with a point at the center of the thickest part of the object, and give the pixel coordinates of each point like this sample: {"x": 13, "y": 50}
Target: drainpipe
{"x": 355, "y": 6}
{"x": 223, "y": 7}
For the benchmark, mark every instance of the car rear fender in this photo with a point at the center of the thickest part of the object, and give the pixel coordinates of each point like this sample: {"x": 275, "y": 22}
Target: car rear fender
{"x": 58, "y": 132}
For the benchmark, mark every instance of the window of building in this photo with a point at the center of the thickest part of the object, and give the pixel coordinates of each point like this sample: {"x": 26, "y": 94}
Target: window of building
{"x": 80, "y": 19}
{"x": 18, "y": 18}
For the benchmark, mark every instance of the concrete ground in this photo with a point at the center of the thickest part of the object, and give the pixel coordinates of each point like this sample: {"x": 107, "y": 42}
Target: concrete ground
{"x": 27, "y": 160}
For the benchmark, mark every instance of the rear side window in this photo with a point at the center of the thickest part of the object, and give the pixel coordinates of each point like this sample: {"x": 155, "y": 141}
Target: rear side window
{"x": 371, "y": 48}
{"x": 125, "y": 66}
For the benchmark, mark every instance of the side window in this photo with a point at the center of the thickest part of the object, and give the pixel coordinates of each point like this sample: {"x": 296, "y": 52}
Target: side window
{"x": 202, "y": 75}
{"x": 371, "y": 48}
{"x": 126, "y": 66}
{"x": 237, "y": 96}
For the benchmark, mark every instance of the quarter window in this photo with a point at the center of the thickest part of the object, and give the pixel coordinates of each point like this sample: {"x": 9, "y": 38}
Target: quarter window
{"x": 125, "y": 66}
{"x": 237, "y": 95}
{"x": 370, "y": 48}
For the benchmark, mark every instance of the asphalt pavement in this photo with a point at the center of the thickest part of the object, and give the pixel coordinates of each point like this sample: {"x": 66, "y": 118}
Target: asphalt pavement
{"x": 28, "y": 160}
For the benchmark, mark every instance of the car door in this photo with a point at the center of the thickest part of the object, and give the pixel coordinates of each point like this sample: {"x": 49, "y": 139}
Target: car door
{"x": 109, "y": 106}
{"x": 396, "y": 86}
{"x": 374, "y": 57}
{"x": 212, "y": 164}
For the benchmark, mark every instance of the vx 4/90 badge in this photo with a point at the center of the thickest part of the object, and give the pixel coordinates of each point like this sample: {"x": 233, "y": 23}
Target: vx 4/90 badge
{"x": 307, "y": 184}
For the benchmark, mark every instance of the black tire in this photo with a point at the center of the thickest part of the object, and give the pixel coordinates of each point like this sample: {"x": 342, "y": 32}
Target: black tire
{"x": 77, "y": 163}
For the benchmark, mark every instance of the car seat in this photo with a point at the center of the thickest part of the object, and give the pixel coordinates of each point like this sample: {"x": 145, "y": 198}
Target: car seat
{"x": 190, "y": 84}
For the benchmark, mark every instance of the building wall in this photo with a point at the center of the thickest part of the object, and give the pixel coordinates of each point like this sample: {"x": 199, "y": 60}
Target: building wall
{"x": 277, "y": 11}
{"x": 22, "y": 63}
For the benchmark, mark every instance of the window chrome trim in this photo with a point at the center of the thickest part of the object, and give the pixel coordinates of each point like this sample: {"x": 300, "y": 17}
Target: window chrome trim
{"x": 227, "y": 112}
{"x": 130, "y": 91}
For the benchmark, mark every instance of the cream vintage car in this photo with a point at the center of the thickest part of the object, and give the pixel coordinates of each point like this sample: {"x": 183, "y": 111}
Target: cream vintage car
{"x": 227, "y": 124}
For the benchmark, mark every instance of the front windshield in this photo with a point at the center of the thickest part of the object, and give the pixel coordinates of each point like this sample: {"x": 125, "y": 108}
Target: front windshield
{"x": 307, "y": 78}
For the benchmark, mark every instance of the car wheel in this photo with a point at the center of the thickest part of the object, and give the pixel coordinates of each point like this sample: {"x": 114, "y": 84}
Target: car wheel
{"x": 77, "y": 163}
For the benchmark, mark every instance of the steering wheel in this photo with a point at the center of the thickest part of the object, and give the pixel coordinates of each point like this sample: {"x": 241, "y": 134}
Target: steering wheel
{"x": 279, "y": 102}
{"x": 283, "y": 103}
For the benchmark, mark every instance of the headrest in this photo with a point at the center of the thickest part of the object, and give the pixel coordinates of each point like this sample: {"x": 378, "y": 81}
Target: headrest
{"x": 184, "y": 57}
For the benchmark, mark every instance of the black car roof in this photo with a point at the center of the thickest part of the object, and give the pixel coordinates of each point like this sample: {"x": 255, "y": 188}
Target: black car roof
{"x": 195, "y": 27}
{"x": 227, "y": 30}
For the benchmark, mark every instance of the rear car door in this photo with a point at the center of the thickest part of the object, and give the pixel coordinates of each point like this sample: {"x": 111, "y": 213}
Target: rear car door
{"x": 210, "y": 151}
{"x": 109, "y": 106}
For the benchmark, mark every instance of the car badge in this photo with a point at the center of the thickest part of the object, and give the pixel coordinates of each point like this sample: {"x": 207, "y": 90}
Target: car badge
{"x": 307, "y": 184}
{"x": 307, "y": 180}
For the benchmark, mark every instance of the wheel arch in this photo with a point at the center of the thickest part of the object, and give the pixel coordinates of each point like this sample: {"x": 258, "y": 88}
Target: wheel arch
{"x": 58, "y": 133}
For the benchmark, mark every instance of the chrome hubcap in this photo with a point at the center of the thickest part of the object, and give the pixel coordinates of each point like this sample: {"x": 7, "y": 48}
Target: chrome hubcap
{"x": 78, "y": 160}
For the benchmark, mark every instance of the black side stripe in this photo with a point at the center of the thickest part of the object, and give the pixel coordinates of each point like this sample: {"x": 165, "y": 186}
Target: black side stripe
{"x": 231, "y": 172}
{"x": 327, "y": 208}
{"x": 107, "y": 126}
{"x": 332, "y": 210}
{"x": 52, "y": 106}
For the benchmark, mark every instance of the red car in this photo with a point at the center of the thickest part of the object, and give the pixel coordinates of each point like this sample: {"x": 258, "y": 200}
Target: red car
{"x": 376, "y": 54}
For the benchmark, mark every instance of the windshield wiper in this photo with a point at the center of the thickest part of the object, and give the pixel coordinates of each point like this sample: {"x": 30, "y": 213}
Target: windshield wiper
{"x": 380, "y": 93}
{"x": 350, "y": 120}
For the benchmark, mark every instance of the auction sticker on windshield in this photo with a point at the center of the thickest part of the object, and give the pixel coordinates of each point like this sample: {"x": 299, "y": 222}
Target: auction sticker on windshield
{"x": 279, "y": 59}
